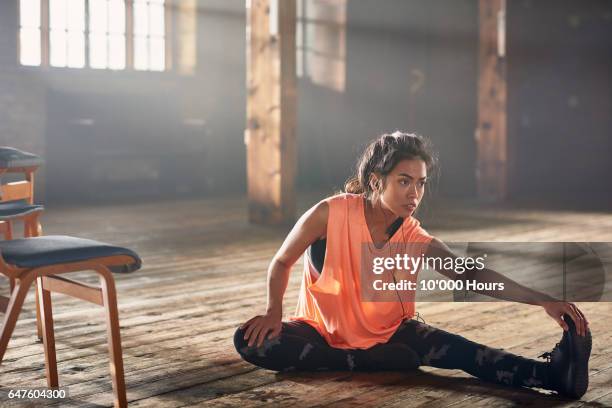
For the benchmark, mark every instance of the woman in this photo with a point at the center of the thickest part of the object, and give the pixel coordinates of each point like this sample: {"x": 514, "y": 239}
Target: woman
{"x": 335, "y": 328}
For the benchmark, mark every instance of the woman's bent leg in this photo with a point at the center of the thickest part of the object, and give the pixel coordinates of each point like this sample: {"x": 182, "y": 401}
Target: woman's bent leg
{"x": 438, "y": 348}
{"x": 298, "y": 347}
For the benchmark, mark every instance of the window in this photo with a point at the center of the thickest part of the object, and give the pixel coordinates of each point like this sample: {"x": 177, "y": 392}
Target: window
{"x": 321, "y": 42}
{"x": 149, "y": 35}
{"x": 107, "y": 34}
{"x": 67, "y": 33}
{"x": 29, "y": 32}
{"x": 100, "y": 34}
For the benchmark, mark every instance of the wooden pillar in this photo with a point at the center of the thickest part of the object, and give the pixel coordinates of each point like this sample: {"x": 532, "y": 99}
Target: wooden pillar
{"x": 129, "y": 34}
{"x": 44, "y": 34}
{"x": 491, "y": 134}
{"x": 271, "y": 111}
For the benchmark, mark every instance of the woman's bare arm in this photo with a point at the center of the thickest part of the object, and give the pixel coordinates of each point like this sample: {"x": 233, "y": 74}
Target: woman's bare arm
{"x": 311, "y": 226}
{"x": 513, "y": 291}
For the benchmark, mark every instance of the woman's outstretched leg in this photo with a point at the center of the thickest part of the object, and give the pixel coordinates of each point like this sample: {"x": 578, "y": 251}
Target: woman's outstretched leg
{"x": 438, "y": 348}
{"x": 566, "y": 370}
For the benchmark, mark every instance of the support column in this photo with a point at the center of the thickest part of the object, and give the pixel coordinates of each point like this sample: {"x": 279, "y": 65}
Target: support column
{"x": 270, "y": 134}
{"x": 491, "y": 134}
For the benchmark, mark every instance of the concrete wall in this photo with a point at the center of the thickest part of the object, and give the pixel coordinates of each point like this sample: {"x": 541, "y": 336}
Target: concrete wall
{"x": 560, "y": 98}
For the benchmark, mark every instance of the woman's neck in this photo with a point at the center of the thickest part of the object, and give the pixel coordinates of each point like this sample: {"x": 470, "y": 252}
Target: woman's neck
{"x": 378, "y": 218}
{"x": 377, "y": 208}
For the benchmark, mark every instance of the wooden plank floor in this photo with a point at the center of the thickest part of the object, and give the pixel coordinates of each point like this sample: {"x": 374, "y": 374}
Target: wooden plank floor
{"x": 204, "y": 273}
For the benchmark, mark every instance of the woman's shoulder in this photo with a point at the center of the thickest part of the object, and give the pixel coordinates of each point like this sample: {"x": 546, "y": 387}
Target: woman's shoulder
{"x": 335, "y": 205}
{"x": 415, "y": 232}
{"x": 331, "y": 209}
{"x": 344, "y": 198}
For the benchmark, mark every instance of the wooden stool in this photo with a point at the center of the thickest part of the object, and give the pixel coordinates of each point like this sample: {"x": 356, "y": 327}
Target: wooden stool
{"x": 42, "y": 260}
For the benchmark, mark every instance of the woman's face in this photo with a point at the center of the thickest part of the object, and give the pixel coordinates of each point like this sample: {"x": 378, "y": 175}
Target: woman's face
{"x": 405, "y": 186}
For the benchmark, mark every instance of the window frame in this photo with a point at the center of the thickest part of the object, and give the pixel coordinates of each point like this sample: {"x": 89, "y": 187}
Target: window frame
{"x": 308, "y": 56}
{"x": 45, "y": 43}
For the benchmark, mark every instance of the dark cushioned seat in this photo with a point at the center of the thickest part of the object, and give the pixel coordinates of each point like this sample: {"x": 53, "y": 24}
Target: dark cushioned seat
{"x": 11, "y": 158}
{"x": 17, "y": 208}
{"x": 60, "y": 249}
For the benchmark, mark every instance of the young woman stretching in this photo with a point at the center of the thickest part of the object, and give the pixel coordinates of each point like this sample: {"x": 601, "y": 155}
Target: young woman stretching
{"x": 334, "y": 328}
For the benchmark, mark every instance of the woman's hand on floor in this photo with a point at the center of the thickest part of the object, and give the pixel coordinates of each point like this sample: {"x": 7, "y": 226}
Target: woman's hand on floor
{"x": 557, "y": 309}
{"x": 261, "y": 326}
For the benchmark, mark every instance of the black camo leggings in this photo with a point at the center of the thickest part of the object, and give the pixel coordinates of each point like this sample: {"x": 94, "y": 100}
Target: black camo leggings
{"x": 301, "y": 347}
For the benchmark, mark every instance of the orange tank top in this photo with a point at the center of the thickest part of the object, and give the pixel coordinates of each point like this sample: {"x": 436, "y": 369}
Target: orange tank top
{"x": 332, "y": 301}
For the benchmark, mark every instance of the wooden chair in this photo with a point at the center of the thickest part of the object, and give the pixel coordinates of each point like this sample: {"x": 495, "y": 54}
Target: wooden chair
{"x": 17, "y": 201}
{"x": 44, "y": 260}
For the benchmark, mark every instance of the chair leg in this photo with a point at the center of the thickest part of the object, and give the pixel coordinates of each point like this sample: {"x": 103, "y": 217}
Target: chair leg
{"x": 31, "y": 227}
{"x": 109, "y": 295}
{"x": 39, "y": 324}
{"x": 15, "y": 304}
{"x": 46, "y": 312}
{"x": 7, "y": 231}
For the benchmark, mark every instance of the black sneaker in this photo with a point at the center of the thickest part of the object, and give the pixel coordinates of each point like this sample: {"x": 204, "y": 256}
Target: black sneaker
{"x": 569, "y": 362}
